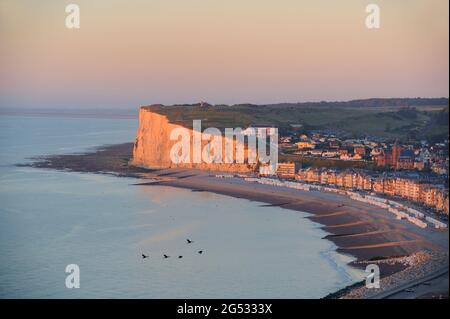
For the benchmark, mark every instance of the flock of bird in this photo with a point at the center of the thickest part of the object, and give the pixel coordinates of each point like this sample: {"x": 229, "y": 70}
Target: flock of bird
{"x": 144, "y": 256}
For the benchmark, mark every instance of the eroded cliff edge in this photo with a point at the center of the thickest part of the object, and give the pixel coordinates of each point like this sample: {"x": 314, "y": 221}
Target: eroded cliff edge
{"x": 152, "y": 146}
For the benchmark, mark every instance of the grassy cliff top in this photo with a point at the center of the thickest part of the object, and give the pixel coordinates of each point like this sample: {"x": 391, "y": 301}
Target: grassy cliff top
{"x": 406, "y": 119}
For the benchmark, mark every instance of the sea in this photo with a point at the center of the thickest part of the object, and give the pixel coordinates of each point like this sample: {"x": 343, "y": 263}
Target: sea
{"x": 102, "y": 224}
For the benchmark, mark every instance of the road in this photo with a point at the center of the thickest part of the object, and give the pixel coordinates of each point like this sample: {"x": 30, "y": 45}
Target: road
{"x": 434, "y": 283}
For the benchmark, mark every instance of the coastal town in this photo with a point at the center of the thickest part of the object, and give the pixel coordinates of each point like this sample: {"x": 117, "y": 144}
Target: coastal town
{"x": 417, "y": 173}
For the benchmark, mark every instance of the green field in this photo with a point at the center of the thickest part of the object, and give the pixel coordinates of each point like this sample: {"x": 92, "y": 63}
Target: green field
{"x": 404, "y": 119}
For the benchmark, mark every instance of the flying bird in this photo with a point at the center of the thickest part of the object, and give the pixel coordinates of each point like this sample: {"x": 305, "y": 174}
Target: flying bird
{"x": 165, "y": 256}
{"x": 189, "y": 241}
{"x": 200, "y": 252}
{"x": 180, "y": 256}
{"x": 144, "y": 256}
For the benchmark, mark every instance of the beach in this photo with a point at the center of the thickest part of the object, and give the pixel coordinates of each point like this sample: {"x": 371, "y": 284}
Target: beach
{"x": 366, "y": 232}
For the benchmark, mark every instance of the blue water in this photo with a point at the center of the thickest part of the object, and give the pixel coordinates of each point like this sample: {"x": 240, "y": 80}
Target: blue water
{"x": 49, "y": 219}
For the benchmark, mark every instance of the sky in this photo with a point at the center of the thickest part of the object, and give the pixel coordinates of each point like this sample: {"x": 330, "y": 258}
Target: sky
{"x": 128, "y": 53}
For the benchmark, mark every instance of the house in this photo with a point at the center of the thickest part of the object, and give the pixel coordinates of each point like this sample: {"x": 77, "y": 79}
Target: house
{"x": 405, "y": 160}
{"x": 360, "y": 150}
{"x": 286, "y": 170}
{"x": 305, "y": 145}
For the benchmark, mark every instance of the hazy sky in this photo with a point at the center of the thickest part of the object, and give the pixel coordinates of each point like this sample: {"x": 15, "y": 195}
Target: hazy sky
{"x": 131, "y": 53}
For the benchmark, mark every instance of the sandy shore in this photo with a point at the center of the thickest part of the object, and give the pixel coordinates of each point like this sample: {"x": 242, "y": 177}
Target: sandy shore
{"x": 358, "y": 229}
{"x": 366, "y": 232}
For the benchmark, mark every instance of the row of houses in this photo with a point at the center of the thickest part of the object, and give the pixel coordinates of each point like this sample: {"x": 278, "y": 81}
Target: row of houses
{"x": 432, "y": 195}
{"x": 398, "y": 209}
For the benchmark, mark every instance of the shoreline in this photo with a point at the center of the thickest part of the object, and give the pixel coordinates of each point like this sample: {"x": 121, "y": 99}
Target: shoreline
{"x": 365, "y": 232}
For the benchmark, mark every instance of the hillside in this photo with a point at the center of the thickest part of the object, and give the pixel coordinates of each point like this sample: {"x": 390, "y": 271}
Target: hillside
{"x": 405, "y": 119}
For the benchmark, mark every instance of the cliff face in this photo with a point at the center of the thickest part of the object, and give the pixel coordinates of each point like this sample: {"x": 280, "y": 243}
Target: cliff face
{"x": 153, "y": 145}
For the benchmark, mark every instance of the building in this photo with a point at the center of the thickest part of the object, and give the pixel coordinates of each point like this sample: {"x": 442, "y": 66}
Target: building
{"x": 378, "y": 186}
{"x": 310, "y": 175}
{"x": 340, "y": 180}
{"x": 328, "y": 177}
{"x": 330, "y": 153}
{"x": 410, "y": 187}
{"x": 335, "y": 144}
{"x": 343, "y": 152}
{"x": 420, "y": 165}
{"x": 286, "y": 170}
{"x": 363, "y": 182}
{"x": 396, "y": 152}
{"x": 407, "y": 188}
{"x": 360, "y": 150}
{"x": 405, "y": 160}
{"x": 389, "y": 158}
{"x": 305, "y": 145}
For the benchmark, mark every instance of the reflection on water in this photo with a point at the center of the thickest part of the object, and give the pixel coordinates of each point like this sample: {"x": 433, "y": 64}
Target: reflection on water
{"x": 49, "y": 219}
